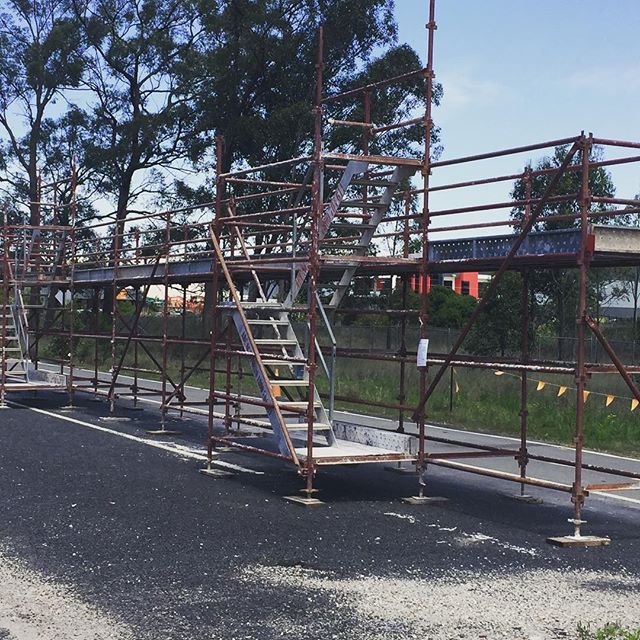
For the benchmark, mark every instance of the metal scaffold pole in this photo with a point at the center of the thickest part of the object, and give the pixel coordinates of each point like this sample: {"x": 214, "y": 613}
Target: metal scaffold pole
{"x": 314, "y": 263}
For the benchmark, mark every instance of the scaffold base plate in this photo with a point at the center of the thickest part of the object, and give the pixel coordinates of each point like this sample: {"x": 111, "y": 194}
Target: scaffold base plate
{"x": 424, "y": 500}
{"x": 579, "y": 541}
{"x": 216, "y": 473}
{"x": 304, "y": 501}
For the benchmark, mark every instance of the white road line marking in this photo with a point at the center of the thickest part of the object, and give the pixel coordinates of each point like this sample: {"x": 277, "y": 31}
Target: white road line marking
{"x": 177, "y": 450}
{"x": 460, "y": 432}
{"x": 613, "y": 496}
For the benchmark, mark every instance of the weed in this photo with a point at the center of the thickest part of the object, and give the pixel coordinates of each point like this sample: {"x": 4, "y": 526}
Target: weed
{"x": 610, "y": 631}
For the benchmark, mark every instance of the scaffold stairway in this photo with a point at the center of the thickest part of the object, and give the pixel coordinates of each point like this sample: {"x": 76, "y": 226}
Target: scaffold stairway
{"x": 33, "y": 258}
{"x": 13, "y": 339}
{"x": 337, "y": 216}
{"x": 278, "y": 365}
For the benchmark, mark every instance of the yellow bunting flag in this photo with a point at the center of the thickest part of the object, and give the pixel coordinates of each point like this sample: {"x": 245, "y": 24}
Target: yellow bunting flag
{"x": 541, "y": 385}
{"x": 562, "y": 391}
{"x": 585, "y": 395}
{"x": 457, "y": 388}
{"x": 499, "y": 373}
{"x": 634, "y": 404}
{"x": 609, "y": 400}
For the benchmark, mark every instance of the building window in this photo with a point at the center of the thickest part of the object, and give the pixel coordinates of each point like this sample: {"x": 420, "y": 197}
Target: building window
{"x": 464, "y": 288}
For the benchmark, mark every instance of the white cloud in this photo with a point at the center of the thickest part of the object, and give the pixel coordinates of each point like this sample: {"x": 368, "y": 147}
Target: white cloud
{"x": 614, "y": 79}
{"x": 464, "y": 87}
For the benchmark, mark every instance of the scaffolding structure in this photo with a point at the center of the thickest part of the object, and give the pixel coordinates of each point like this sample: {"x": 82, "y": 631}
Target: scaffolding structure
{"x": 277, "y": 251}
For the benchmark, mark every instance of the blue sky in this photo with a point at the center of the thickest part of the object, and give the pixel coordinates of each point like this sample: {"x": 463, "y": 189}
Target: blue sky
{"x": 517, "y": 72}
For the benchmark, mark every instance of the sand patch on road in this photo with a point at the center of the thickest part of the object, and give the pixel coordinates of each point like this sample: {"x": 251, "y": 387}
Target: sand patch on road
{"x": 33, "y": 607}
{"x": 528, "y": 605}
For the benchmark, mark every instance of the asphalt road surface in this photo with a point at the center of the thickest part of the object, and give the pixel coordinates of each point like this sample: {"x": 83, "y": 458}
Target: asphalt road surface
{"x": 109, "y": 533}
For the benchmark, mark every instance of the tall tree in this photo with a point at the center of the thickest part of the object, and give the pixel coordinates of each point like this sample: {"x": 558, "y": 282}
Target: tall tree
{"x": 255, "y": 67}
{"x": 41, "y": 49}
{"x": 138, "y": 119}
{"x": 556, "y": 289}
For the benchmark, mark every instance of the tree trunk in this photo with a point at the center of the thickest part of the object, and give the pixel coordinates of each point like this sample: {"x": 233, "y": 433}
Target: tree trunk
{"x": 116, "y": 244}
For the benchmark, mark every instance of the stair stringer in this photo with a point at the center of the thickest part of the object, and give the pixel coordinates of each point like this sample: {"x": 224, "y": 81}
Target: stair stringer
{"x": 353, "y": 168}
{"x": 400, "y": 173}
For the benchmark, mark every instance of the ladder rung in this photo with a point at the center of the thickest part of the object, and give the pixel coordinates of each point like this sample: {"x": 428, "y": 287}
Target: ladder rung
{"x": 265, "y": 342}
{"x": 281, "y": 363}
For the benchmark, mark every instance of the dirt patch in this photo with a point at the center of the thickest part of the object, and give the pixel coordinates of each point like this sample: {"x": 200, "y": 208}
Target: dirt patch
{"x": 530, "y": 605}
{"x": 33, "y": 607}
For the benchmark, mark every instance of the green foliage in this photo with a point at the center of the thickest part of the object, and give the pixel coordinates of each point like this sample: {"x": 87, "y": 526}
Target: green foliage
{"x": 610, "y": 631}
{"x": 448, "y": 308}
{"x": 600, "y": 184}
{"x": 126, "y": 307}
{"x": 393, "y": 300}
{"x": 138, "y": 118}
{"x": 498, "y": 329}
{"x": 42, "y": 53}
{"x": 255, "y": 63}
{"x": 555, "y": 290}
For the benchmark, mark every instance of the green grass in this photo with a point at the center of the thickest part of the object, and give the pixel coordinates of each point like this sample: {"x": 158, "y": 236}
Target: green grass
{"x": 485, "y": 402}
{"x": 489, "y": 403}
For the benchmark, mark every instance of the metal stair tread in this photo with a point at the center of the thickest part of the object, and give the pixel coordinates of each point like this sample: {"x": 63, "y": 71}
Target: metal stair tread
{"x": 281, "y": 363}
{"x": 374, "y": 183}
{"x": 261, "y": 321}
{"x": 302, "y": 426}
{"x": 353, "y": 225}
{"x": 258, "y": 305}
{"x": 364, "y": 205}
{"x": 297, "y": 404}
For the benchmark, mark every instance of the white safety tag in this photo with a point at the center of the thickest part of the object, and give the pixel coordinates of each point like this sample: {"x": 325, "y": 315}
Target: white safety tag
{"x": 423, "y": 348}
